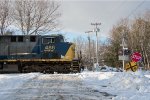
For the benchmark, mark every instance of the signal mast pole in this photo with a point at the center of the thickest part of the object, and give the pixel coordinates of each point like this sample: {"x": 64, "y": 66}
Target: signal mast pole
{"x": 123, "y": 42}
{"x": 123, "y": 48}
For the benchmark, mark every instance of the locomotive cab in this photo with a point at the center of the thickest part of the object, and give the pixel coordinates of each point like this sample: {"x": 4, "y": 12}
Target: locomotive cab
{"x": 54, "y": 47}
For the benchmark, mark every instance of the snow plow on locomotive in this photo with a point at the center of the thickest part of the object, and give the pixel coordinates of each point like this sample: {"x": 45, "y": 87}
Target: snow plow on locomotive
{"x": 36, "y": 53}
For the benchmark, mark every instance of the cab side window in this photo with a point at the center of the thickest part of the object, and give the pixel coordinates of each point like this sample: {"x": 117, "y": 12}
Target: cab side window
{"x": 32, "y": 39}
{"x": 20, "y": 38}
{"x": 48, "y": 40}
{"x": 13, "y": 39}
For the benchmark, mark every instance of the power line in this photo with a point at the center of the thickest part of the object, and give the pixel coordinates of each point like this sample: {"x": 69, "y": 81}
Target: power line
{"x": 140, "y": 4}
{"x": 117, "y": 8}
{"x": 114, "y": 9}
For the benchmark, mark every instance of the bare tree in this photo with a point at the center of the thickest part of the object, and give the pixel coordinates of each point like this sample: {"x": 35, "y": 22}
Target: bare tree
{"x": 4, "y": 16}
{"x": 36, "y": 16}
{"x": 80, "y": 46}
{"x": 111, "y": 51}
{"x": 137, "y": 35}
{"x": 140, "y": 36}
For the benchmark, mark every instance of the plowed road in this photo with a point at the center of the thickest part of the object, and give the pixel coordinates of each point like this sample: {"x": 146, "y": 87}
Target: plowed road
{"x": 55, "y": 87}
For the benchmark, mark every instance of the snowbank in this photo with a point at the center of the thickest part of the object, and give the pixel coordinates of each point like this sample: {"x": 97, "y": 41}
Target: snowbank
{"x": 125, "y": 85}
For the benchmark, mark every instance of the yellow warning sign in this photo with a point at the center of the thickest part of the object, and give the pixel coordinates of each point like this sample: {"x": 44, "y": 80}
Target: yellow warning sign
{"x": 131, "y": 66}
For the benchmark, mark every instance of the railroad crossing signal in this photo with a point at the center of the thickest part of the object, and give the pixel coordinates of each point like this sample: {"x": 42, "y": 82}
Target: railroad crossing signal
{"x": 131, "y": 66}
{"x": 127, "y": 52}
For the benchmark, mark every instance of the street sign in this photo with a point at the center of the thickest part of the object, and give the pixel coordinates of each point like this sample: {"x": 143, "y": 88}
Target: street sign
{"x": 136, "y": 56}
{"x": 125, "y": 57}
{"x": 131, "y": 66}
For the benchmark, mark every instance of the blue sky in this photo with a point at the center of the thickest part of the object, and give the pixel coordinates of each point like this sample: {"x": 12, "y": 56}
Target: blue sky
{"x": 77, "y": 15}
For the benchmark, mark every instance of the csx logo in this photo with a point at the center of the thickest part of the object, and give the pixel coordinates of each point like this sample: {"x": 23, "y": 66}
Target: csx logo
{"x": 49, "y": 48}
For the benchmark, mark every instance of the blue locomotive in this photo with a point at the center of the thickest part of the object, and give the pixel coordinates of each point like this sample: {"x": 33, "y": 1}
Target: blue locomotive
{"x": 37, "y": 53}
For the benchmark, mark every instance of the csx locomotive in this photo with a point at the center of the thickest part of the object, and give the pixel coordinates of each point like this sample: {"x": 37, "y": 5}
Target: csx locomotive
{"x": 37, "y": 53}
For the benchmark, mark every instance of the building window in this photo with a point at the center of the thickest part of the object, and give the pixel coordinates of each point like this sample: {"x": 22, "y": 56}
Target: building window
{"x": 20, "y": 38}
{"x": 13, "y": 39}
{"x": 32, "y": 39}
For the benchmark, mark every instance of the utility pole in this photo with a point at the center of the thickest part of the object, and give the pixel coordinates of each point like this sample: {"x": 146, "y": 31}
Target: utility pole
{"x": 96, "y": 29}
{"x": 89, "y": 44}
{"x": 123, "y": 49}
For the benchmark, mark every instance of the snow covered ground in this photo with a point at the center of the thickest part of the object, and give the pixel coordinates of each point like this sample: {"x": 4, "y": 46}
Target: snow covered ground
{"x": 119, "y": 85}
